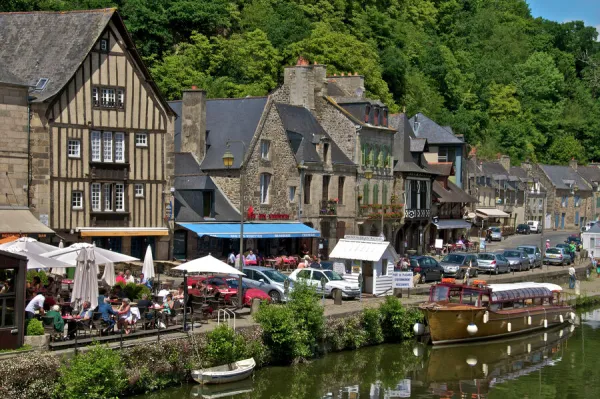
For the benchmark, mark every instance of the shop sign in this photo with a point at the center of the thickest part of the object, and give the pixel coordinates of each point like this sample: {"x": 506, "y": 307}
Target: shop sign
{"x": 402, "y": 280}
{"x": 269, "y": 216}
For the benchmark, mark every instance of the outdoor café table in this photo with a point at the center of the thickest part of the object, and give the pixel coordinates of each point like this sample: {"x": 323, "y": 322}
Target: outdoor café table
{"x": 270, "y": 262}
{"x": 72, "y": 324}
{"x": 251, "y": 262}
{"x": 68, "y": 283}
{"x": 65, "y": 307}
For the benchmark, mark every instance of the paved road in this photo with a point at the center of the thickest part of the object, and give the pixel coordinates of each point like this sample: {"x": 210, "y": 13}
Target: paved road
{"x": 555, "y": 237}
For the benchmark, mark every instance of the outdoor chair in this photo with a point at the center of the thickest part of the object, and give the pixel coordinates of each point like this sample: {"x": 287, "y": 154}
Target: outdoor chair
{"x": 288, "y": 262}
{"x": 99, "y": 324}
{"x": 48, "y": 323}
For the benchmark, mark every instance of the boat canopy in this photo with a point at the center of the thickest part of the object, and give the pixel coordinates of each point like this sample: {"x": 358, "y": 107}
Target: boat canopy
{"x": 521, "y": 293}
{"x": 516, "y": 286}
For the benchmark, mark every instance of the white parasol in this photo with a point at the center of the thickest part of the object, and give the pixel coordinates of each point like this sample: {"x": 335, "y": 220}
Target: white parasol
{"x": 103, "y": 256}
{"x": 85, "y": 285}
{"x": 109, "y": 274}
{"x": 31, "y": 245}
{"x": 36, "y": 261}
{"x": 60, "y": 270}
{"x": 148, "y": 268}
{"x": 208, "y": 264}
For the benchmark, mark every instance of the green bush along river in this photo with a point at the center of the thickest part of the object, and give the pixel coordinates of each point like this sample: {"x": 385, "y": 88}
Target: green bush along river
{"x": 554, "y": 363}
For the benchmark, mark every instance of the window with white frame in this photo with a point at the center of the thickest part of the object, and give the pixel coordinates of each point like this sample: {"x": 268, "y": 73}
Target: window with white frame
{"x": 96, "y": 146}
{"x": 74, "y": 149}
{"x": 77, "y": 200}
{"x": 265, "y": 148}
{"x": 95, "y": 97}
{"x": 139, "y": 190}
{"x": 265, "y": 182}
{"x": 107, "y": 145}
{"x": 120, "y": 98}
{"x": 141, "y": 140}
{"x": 119, "y": 142}
{"x": 292, "y": 193}
{"x": 108, "y": 97}
{"x": 96, "y": 197}
{"x": 119, "y": 197}
{"x": 103, "y": 44}
{"x": 108, "y": 197}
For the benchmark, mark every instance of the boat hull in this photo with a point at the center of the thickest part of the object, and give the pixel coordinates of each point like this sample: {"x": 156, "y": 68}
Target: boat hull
{"x": 217, "y": 375}
{"x": 448, "y": 325}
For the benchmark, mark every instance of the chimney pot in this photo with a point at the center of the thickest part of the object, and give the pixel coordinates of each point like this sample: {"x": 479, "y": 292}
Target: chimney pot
{"x": 194, "y": 87}
{"x": 342, "y": 74}
{"x": 355, "y": 73}
{"x": 302, "y": 61}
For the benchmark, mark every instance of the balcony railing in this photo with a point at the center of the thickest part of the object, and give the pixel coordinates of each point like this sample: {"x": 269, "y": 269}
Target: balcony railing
{"x": 417, "y": 213}
{"x": 328, "y": 208}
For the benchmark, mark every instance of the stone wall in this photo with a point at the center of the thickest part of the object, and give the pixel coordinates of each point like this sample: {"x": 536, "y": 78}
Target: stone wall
{"x": 40, "y": 169}
{"x": 13, "y": 145}
{"x": 341, "y": 129}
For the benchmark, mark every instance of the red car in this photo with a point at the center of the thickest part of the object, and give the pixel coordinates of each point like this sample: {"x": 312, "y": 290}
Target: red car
{"x": 227, "y": 288}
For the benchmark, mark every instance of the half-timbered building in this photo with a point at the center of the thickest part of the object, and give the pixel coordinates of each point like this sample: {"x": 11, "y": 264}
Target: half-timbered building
{"x": 101, "y": 135}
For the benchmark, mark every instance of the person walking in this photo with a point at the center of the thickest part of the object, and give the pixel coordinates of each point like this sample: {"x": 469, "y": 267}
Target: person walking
{"x": 572, "y": 277}
{"x": 231, "y": 259}
{"x": 572, "y": 249}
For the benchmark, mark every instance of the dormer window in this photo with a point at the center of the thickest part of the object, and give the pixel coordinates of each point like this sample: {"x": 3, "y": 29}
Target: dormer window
{"x": 376, "y": 116}
{"x": 385, "y": 118}
{"x": 367, "y": 113}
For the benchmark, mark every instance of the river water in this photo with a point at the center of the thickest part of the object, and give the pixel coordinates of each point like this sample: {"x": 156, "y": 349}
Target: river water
{"x": 555, "y": 363}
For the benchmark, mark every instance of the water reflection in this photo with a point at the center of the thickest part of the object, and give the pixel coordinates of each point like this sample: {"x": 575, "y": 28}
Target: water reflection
{"x": 512, "y": 368}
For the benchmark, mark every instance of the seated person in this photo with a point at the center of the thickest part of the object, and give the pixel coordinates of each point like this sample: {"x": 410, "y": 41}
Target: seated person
{"x": 168, "y": 310}
{"x": 164, "y": 292}
{"x": 145, "y": 281}
{"x": 35, "y": 305}
{"x": 34, "y": 286}
{"x": 129, "y": 277}
{"x": 121, "y": 278}
{"x": 179, "y": 294}
{"x": 145, "y": 303}
{"x": 59, "y": 323}
{"x": 53, "y": 287}
{"x": 85, "y": 318}
{"x": 251, "y": 257}
{"x": 107, "y": 311}
{"x": 125, "y": 317}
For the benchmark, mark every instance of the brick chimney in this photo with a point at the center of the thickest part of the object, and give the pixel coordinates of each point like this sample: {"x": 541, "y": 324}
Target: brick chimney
{"x": 573, "y": 163}
{"x": 305, "y": 82}
{"x": 505, "y": 162}
{"x": 193, "y": 122}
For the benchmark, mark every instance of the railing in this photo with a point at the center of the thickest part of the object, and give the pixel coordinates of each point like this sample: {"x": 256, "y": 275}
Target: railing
{"x": 417, "y": 213}
{"x": 328, "y": 208}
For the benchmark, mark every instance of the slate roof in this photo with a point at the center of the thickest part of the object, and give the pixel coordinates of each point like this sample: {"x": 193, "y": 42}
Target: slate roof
{"x": 356, "y": 100}
{"x": 494, "y": 170}
{"x": 561, "y": 175}
{"x": 442, "y": 168}
{"x": 434, "y": 133}
{"x": 519, "y": 173}
{"x": 8, "y": 77}
{"x": 402, "y": 145}
{"x": 417, "y": 145}
{"x": 226, "y": 119}
{"x": 589, "y": 173}
{"x": 53, "y": 45}
{"x": 453, "y": 194}
{"x": 302, "y": 127}
{"x": 189, "y": 181}
{"x": 334, "y": 90}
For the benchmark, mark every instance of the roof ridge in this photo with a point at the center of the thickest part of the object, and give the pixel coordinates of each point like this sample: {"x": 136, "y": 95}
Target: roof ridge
{"x": 96, "y": 10}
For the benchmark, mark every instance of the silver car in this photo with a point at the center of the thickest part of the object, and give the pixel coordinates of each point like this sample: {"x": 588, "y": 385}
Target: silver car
{"x": 534, "y": 253}
{"x": 518, "y": 259}
{"x": 267, "y": 280}
{"x": 492, "y": 263}
{"x": 496, "y": 233}
{"x": 557, "y": 256}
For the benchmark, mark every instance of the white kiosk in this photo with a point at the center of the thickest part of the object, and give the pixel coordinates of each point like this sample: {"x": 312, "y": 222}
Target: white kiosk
{"x": 373, "y": 257}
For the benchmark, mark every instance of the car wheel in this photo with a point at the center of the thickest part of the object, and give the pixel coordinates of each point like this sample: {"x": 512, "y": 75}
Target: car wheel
{"x": 423, "y": 279}
{"x": 275, "y": 296}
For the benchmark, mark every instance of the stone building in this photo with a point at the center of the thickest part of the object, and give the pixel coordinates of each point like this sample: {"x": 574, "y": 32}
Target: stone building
{"x": 591, "y": 174}
{"x": 100, "y": 134}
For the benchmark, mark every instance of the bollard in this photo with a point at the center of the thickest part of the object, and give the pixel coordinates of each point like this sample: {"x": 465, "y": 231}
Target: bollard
{"x": 255, "y": 305}
{"x": 398, "y": 292}
{"x": 337, "y": 297}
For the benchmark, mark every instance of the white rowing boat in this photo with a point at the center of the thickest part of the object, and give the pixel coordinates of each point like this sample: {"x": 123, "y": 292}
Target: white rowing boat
{"x": 231, "y": 372}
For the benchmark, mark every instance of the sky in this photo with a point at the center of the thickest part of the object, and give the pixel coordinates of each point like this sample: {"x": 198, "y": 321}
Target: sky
{"x": 567, "y": 10}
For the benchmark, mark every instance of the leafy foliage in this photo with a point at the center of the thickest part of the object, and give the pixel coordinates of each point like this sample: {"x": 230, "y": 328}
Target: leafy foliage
{"x": 397, "y": 321}
{"x": 34, "y": 327}
{"x": 41, "y": 274}
{"x": 135, "y": 291}
{"x": 224, "y": 346}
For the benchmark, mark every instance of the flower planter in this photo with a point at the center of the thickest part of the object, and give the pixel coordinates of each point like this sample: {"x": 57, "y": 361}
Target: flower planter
{"x": 37, "y": 341}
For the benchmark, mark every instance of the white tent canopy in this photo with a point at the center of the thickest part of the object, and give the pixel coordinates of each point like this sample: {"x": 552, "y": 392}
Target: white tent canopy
{"x": 208, "y": 264}
{"x": 31, "y": 245}
{"x": 69, "y": 254}
{"x": 148, "y": 268}
{"x": 36, "y": 261}
{"x": 85, "y": 286}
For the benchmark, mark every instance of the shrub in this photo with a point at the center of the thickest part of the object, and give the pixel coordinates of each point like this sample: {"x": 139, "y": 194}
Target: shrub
{"x": 35, "y": 327}
{"x": 308, "y": 313}
{"x": 344, "y": 333}
{"x": 371, "y": 322}
{"x": 255, "y": 347}
{"x": 134, "y": 291}
{"x": 96, "y": 374}
{"x": 224, "y": 346}
{"x": 396, "y": 320}
{"x": 30, "y": 375}
{"x": 41, "y": 274}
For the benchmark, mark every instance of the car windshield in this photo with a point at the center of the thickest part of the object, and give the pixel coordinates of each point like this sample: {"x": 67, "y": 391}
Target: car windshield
{"x": 562, "y": 245}
{"x": 275, "y": 275}
{"x": 495, "y": 229}
{"x": 553, "y": 251}
{"x": 414, "y": 263}
{"x": 333, "y": 276}
{"x": 530, "y": 251}
{"x": 522, "y": 226}
{"x": 512, "y": 254}
{"x": 233, "y": 283}
{"x": 453, "y": 258}
{"x": 486, "y": 257}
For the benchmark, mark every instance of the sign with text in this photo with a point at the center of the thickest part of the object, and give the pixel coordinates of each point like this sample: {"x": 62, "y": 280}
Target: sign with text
{"x": 339, "y": 268}
{"x": 439, "y": 243}
{"x": 402, "y": 280}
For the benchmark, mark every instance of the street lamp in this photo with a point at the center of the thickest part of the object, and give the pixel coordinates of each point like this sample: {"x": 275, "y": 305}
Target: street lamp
{"x": 228, "y": 159}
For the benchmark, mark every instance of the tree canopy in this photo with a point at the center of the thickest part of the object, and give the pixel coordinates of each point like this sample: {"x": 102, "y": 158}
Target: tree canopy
{"x": 511, "y": 83}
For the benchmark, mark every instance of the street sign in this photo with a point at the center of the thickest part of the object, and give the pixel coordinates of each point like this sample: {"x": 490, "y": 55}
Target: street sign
{"x": 402, "y": 280}
{"x": 339, "y": 268}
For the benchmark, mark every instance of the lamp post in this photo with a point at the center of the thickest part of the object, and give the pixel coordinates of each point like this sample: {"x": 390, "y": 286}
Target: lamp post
{"x": 228, "y": 159}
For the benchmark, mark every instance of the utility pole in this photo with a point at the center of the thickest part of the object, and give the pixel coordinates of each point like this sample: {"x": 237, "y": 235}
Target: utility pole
{"x": 543, "y": 223}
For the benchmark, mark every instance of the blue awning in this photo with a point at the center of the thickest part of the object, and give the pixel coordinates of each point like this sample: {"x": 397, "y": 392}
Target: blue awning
{"x": 446, "y": 224}
{"x": 252, "y": 230}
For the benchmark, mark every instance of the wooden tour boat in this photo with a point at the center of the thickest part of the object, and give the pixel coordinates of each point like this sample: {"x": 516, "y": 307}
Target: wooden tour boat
{"x": 461, "y": 313}
{"x": 226, "y": 373}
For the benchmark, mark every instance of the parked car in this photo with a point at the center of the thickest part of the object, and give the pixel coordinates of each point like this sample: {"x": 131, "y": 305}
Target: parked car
{"x": 457, "y": 263}
{"x": 518, "y": 259}
{"x": 534, "y": 226}
{"x": 567, "y": 249}
{"x": 267, "y": 280}
{"x": 427, "y": 267}
{"x": 249, "y": 292}
{"x": 523, "y": 229}
{"x": 490, "y": 262}
{"x": 535, "y": 255}
{"x": 227, "y": 288}
{"x": 588, "y": 226}
{"x": 557, "y": 256}
{"x": 575, "y": 239}
{"x": 334, "y": 282}
{"x": 496, "y": 233}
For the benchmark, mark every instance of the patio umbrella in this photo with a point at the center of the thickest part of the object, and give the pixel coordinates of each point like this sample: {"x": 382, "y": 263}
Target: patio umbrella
{"x": 109, "y": 274}
{"x": 59, "y": 270}
{"x": 38, "y": 261}
{"x": 85, "y": 285}
{"x": 148, "y": 268}
{"x": 29, "y": 244}
{"x": 102, "y": 256}
{"x": 208, "y": 264}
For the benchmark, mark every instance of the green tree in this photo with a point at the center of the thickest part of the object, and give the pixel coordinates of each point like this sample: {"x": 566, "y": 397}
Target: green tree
{"x": 565, "y": 148}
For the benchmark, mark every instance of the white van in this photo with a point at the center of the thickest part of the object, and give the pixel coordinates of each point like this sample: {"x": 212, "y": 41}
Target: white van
{"x": 588, "y": 225}
{"x": 534, "y": 226}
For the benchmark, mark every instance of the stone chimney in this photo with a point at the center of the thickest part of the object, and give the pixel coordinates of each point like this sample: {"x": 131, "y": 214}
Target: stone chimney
{"x": 305, "y": 82}
{"x": 505, "y": 162}
{"x": 351, "y": 83}
{"x": 193, "y": 122}
{"x": 573, "y": 163}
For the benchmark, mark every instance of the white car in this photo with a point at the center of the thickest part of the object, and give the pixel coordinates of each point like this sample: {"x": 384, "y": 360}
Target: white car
{"x": 588, "y": 226}
{"x": 333, "y": 282}
{"x": 534, "y": 226}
